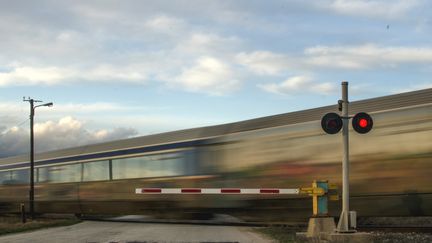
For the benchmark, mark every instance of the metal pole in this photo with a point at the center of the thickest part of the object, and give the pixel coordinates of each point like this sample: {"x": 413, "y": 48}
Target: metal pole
{"x": 32, "y": 113}
{"x": 31, "y": 159}
{"x": 23, "y": 213}
{"x": 343, "y": 224}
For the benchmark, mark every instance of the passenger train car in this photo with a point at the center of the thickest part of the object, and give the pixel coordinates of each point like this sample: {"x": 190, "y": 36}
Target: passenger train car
{"x": 390, "y": 167}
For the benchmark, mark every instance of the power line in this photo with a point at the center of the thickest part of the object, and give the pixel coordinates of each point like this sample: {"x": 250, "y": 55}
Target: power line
{"x": 19, "y": 125}
{"x": 23, "y": 122}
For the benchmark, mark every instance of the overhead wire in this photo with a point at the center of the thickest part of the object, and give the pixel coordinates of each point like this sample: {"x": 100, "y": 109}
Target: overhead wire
{"x": 4, "y": 132}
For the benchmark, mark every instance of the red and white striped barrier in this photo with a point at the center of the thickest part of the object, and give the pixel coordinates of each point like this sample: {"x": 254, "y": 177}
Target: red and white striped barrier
{"x": 216, "y": 191}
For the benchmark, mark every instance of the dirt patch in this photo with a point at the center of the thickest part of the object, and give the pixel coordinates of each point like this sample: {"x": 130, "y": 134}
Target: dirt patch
{"x": 13, "y": 224}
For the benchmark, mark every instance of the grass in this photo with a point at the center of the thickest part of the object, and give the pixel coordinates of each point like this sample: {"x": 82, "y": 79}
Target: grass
{"x": 282, "y": 234}
{"x": 12, "y": 224}
{"x": 279, "y": 234}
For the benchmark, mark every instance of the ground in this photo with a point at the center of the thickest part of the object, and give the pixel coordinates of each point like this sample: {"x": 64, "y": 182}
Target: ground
{"x": 282, "y": 234}
{"x": 13, "y": 224}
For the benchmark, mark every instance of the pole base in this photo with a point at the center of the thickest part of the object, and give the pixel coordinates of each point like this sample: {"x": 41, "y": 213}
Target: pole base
{"x": 347, "y": 222}
{"x": 318, "y": 226}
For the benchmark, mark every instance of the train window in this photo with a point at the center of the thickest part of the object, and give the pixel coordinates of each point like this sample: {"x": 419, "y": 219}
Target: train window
{"x": 14, "y": 177}
{"x": 58, "y": 174}
{"x": 96, "y": 171}
{"x": 42, "y": 174}
{"x": 5, "y": 177}
{"x": 172, "y": 164}
{"x": 20, "y": 176}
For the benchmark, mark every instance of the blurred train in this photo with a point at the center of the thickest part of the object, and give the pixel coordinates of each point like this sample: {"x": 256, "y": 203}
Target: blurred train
{"x": 390, "y": 167}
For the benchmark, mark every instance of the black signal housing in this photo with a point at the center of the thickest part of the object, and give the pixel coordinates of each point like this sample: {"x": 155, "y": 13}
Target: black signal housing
{"x": 331, "y": 123}
{"x": 362, "y": 122}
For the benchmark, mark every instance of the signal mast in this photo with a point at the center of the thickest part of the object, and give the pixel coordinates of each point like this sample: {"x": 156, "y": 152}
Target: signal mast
{"x": 332, "y": 123}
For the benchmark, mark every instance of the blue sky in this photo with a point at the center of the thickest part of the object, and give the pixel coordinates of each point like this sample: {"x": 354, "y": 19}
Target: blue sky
{"x": 117, "y": 69}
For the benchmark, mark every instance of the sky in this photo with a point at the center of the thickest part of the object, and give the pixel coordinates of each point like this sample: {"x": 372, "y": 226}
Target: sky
{"x": 120, "y": 69}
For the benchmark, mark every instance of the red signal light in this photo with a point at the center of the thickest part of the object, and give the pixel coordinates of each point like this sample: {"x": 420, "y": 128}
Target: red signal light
{"x": 363, "y": 123}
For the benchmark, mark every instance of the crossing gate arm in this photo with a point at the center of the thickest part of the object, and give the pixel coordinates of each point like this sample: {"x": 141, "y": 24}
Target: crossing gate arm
{"x": 250, "y": 191}
{"x": 321, "y": 191}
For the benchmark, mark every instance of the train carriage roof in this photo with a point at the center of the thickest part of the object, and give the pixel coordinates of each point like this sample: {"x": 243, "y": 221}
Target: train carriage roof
{"x": 369, "y": 105}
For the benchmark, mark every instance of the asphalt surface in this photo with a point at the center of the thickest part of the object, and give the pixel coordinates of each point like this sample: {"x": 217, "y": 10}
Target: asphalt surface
{"x": 124, "y": 232}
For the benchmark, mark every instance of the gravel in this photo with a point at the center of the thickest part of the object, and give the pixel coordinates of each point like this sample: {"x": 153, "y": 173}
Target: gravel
{"x": 410, "y": 237}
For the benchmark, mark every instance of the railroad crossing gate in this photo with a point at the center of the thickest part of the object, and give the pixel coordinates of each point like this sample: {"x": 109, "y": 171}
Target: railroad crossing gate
{"x": 321, "y": 191}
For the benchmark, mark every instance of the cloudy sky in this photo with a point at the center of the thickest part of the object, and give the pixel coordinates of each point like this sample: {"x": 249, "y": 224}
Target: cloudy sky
{"x": 117, "y": 69}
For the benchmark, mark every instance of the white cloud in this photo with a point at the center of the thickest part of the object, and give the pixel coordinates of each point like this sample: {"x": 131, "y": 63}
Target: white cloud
{"x": 264, "y": 62}
{"x": 51, "y": 135}
{"x": 69, "y": 36}
{"x": 96, "y": 13}
{"x": 128, "y": 48}
{"x": 427, "y": 85}
{"x": 366, "y": 56}
{"x": 200, "y": 43}
{"x": 424, "y": 25}
{"x": 110, "y": 72}
{"x": 19, "y": 107}
{"x": 137, "y": 43}
{"x": 208, "y": 75}
{"x": 299, "y": 85}
{"x": 372, "y": 8}
{"x": 91, "y": 107}
{"x": 34, "y": 75}
{"x": 27, "y": 75}
{"x": 96, "y": 115}
{"x": 7, "y": 107}
{"x": 166, "y": 24}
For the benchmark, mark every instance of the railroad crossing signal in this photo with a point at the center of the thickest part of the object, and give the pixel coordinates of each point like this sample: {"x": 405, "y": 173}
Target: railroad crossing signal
{"x": 362, "y": 122}
{"x": 332, "y": 123}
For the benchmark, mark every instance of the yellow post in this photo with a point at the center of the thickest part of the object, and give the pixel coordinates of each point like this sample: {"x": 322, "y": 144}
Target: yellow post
{"x": 318, "y": 191}
{"x": 315, "y": 200}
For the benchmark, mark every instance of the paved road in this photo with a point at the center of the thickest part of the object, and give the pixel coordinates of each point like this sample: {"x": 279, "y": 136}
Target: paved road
{"x": 92, "y": 232}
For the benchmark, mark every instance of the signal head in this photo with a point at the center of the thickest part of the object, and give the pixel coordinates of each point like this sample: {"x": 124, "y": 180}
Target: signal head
{"x": 362, "y": 122}
{"x": 331, "y": 123}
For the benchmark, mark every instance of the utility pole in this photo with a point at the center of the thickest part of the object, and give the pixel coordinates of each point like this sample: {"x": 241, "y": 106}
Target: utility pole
{"x": 32, "y": 113}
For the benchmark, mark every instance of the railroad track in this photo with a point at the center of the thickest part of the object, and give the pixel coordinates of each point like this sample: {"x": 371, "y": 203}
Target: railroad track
{"x": 231, "y": 222}
{"x": 295, "y": 226}
{"x": 394, "y": 228}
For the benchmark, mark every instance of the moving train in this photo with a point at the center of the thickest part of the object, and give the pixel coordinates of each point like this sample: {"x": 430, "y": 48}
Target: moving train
{"x": 390, "y": 167}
